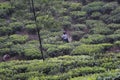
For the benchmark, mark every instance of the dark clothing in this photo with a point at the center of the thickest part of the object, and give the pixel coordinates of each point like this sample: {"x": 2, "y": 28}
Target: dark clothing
{"x": 65, "y": 40}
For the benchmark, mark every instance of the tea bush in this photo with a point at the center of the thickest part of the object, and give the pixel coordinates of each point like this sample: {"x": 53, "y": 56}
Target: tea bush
{"x": 87, "y": 49}
{"x": 76, "y": 35}
{"x": 86, "y": 70}
{"x": 114, "y": 26}
{"x": 105, "y": 75}
{"x": 90, "y": 49}
{"x": 114, "y": 18}
{"x": 94, "y": 23}
{"x": 63, "y": 11}
{"x": 93, "y": 39}
{"x": 3, "y": 38}
{"x": 96, "y": 15}
{"x": 110, "y": 65}
{"x": 101, "y": 30}
{"x": 65, "y": 18}
{"x": 116, "y": 11}
{"x": 5, "y": 44}
{"x": 5, "y": 9}
{"x": 117, "y": 43}
{"x": 60, "y": 50}
{"x": 117, "y": 31}
{"x": 31, "y": 28}
{"x": 107, "y": 8}
{"x": 78, "y": 16}
{"x": 17, "y": 50}
{"x": 66, "y": 25}
{"x": 112, "y": 38}
{"x": 18, "y": 38}
{"x": 4, "y": 51}
{"x": 79, "y": 27}
{"x": 3, "y": 22}
{"x": 105, "y": 18}
{"x": 16, "y": 26}
{"x": 94, "y": 6}
{"x": 48, "y": 22}
{"x": 72, "y": 6}
{"x": 29, "y": 50}
{"x": 65, "y": 67}
{"x": 5, "y": 30}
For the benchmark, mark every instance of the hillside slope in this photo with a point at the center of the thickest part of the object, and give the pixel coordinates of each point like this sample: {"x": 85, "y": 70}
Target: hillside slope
{"x": 93, "y": 54}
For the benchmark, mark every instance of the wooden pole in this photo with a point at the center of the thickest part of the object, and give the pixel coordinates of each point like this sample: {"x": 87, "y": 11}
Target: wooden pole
{"x": 37, "y": 29}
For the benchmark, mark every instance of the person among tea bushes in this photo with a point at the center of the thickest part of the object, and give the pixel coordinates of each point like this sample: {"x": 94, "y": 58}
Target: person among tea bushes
{"x": 65, "y": 37}
{"x": 6, "y": 57}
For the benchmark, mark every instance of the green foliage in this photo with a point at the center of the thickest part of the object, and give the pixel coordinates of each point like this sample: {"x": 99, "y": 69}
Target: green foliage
{"x": 114, "y": 18}
{"x": 31, "y": 51}
{"x": 5, "y": 44}
{"x": 117, "y": 31}
{"x": 79, "y": 27}
{"x": 78, "y": 16}
{"x": 5, "y": 30}
{"x": 5, "y": 9}
{"x": 31, "y": 28}
{"x": 60, "y": 50}
{"x": 17, "y": 50}
{"x": 63, "y": 11}
{"x": 3, "y": 39}
{"x": 16, "y": 26}
{"x": 93, "y": 39}
{"x": 105, "y": 18}
{"x": 65, "y": 18}
{"x": 107, "y": 8}
{"x": 94, "y": 6}
{"x": 90, "y": 49}
{"x": 18, "y": 38}
{"x": 114, "y": 26}
{"x": 4, "y": 51}
{"x": 48, "y": 22}
{"x": 76, "y": 35}
{"x": 113, "y": 37}
{"x": 101, "y": 30}
{"x": 72, "y": 6}
{"x": 110, "y": 65}
{"x": 96, "y": 15}
{"x": 66, "y": 25}
{"x": 18, "y": 4}
{"x": 117, "y": 43}
{"x": 116, "y": 11}
{"x": 109, "y": 75}
{"x": 94, "y": 23}
{"x": 87, "y": 49}
{"x": 86, "y": 70}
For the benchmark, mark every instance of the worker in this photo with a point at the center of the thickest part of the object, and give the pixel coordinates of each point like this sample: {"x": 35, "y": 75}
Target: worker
{"x": 65, "y": 37}
{"x": 6, "y": 57}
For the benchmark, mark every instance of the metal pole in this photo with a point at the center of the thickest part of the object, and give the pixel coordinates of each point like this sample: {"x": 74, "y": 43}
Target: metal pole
{"x": 37, "y": 29}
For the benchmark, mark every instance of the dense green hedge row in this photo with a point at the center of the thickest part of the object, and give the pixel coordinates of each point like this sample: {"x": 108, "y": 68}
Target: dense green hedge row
{"x": 111, "y": 75}
{"x": 91, "y": 49}
{"x": 63, "y": 67}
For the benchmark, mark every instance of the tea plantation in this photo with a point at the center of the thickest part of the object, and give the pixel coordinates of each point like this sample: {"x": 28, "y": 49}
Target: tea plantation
{"x": 93, "y": 53}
